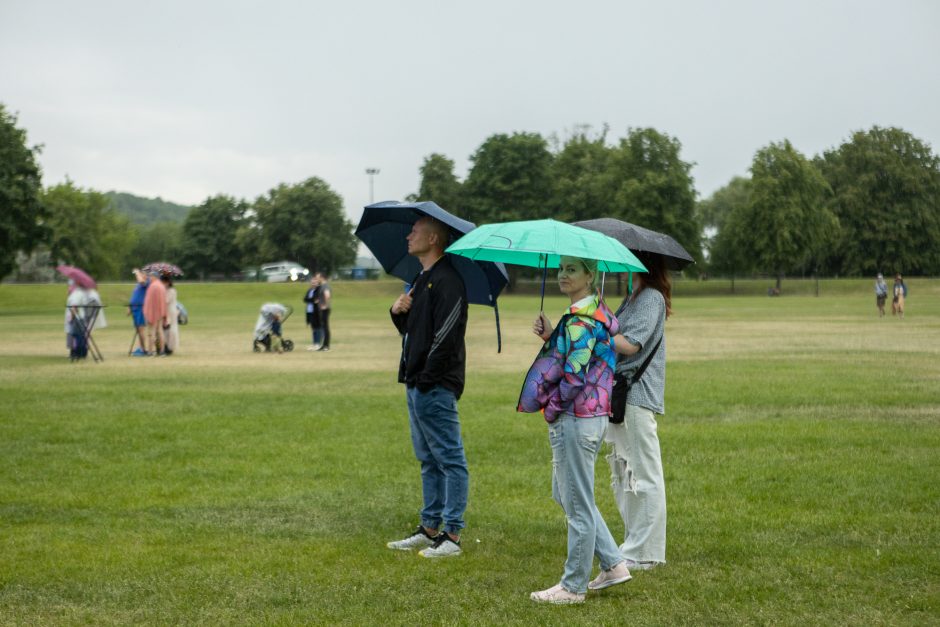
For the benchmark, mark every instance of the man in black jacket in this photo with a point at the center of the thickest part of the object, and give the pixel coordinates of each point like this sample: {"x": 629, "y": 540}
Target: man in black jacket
{"x": 432, "y": 318}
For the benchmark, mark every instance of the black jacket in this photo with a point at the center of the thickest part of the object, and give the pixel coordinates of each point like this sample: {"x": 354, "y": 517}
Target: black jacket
{"x": 433, "y": 351}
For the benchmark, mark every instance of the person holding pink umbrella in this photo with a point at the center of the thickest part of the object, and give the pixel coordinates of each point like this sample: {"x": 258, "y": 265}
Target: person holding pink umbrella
{"x": 83, "y": 312}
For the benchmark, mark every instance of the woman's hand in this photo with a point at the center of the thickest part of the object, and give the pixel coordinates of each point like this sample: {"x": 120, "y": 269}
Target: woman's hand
{"x": 542, "y": 327}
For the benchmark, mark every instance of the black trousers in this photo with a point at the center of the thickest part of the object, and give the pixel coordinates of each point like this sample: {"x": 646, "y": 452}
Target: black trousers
{"x": 325, "y": 326}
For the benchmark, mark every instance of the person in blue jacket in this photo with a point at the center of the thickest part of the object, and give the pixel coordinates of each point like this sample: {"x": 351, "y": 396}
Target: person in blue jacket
{"x": 135, "y": 308}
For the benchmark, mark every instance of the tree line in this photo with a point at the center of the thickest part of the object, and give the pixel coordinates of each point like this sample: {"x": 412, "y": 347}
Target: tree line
{"x": 870, "y": 204}
{"x": 65, "y": 223}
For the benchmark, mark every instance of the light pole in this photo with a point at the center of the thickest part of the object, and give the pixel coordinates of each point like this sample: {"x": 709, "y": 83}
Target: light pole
{"x": 372, "y": 172}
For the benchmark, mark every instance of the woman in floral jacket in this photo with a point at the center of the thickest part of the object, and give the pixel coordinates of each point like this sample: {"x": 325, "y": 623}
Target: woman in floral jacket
{"x": 570, "y": 383}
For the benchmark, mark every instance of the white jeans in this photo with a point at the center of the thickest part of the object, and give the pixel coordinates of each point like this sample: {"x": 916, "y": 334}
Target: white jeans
{"x": 636, "y": 468}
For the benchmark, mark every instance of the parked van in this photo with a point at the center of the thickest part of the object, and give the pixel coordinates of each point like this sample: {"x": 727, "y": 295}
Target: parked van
{"x": 281, "y": 271}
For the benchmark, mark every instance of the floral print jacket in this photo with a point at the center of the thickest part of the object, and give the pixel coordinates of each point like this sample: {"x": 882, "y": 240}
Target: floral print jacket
{"x": 574, "y": 371}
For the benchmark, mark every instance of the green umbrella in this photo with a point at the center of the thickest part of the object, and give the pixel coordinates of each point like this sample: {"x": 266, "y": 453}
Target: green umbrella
{"x": 542, "y": 243}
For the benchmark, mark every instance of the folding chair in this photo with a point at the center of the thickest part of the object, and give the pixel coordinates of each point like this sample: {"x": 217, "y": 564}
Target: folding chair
{"x": 86, "y": 324}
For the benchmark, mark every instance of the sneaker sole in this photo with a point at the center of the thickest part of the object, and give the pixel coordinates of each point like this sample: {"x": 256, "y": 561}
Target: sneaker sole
{"x": 557, "y": 602}
{"x": 431, "y": 557}
{"x": 404, "y": 548}
{"x": 612, "y": 582}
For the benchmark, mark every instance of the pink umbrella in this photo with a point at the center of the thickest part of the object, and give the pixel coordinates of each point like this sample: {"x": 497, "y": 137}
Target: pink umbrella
{"x": 78, "y": 275}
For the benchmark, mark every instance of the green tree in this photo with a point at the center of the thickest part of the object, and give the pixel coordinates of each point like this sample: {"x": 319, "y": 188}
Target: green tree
{"x": 22, "y": 215}
{"x": 714, "y": 211}
{"x": 87, "y": 231}
{"x": 147, "y": 211}
{"x": 440, "y": 184}
{"x": 886, "y": 194}
{"x": 306, "y": 223}
{"x": 721, "y": 216}
{"x": 787, "y": 224}
{"x": 510, "y": 179}
{"x": 654, "y": 186}
{"x": 162, "y": 241}
{"x": 208, "y": 241}
{"x": 581, "y": 188}
{"x": 249, "y": 240}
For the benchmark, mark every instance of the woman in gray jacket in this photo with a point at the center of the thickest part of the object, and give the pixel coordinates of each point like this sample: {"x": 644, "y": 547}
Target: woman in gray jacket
{"x": 635, "y": 460}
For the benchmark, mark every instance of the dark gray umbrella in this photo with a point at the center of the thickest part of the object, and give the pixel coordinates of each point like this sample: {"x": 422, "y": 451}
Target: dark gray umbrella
{"x": 638, "y": 239}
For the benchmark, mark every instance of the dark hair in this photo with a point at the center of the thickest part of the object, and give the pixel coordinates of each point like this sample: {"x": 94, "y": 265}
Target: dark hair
{"x": 657, "y": 277}
{"x": 166, "y": 278}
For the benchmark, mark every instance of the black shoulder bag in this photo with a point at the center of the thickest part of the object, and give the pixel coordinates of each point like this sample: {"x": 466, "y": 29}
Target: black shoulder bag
{"x": 622, "y": 384}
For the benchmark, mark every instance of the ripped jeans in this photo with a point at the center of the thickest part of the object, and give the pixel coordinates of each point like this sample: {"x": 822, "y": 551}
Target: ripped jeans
{"x": 636, "y": 469}
{"x": 575, "y": 444}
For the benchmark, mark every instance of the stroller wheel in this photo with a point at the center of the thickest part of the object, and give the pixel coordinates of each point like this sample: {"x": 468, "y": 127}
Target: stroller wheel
{"x": 288, "y": 346}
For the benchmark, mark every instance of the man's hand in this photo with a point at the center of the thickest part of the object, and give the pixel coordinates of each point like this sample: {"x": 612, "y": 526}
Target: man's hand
{"x": 403, "y": 304}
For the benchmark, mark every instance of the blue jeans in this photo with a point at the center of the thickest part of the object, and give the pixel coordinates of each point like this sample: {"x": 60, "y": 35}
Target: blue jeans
{"x": 575, "y": 444}
{"x": 435, "y": 435}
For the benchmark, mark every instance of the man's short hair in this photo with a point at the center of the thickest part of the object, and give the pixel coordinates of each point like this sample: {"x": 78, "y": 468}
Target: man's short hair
{"x": 440, "y": 229}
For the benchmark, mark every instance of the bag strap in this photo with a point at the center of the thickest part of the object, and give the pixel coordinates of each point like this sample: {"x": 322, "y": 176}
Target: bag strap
{"x": 646, "y": 362}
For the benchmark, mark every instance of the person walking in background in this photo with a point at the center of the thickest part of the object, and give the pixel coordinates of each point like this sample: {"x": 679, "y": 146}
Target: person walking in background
{"x": 171, "y": 329}
{"x": 881, "y": 294}
{"x": 432, "y": 320}
{"x": 570, "y": 382}
{"x": 155, "y": 314}
{"x": 636, "y": 460}
{"x": 135, "y": 309}
{"x": 900, "y": 293}
{"x": 313, "y": 314}
{"x": 323, "y": 303}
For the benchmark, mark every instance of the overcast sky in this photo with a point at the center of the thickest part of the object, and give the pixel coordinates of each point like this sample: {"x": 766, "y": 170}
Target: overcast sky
{"x": 185, "y": 99}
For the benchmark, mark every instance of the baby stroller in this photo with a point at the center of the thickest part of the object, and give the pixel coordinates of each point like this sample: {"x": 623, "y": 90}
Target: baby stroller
{"x": 268, "y": 328}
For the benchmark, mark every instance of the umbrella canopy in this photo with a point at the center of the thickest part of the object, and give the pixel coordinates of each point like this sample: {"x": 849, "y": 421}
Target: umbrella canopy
{"x": 384, "y": 227}
{"x": 163, "y": 268}
{"x": 638, "y": 239}
{"x": 542, "y": 243}
{"x": 78, "y": 275}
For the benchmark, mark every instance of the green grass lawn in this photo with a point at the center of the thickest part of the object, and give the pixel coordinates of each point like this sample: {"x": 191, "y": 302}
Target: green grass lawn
{"x": 801, "y": 447}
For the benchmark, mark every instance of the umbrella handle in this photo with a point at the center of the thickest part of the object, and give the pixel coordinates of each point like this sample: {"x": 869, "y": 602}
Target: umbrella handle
{"x": 499, "y": 337}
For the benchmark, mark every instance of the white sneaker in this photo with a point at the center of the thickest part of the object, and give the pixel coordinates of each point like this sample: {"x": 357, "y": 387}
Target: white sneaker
{"x": 312, "y": 347}
{"x": 633, "y": 565}
{"x": 611, "y": 577}
{"x": 443, "y": 546}
{"x": 417, "y": 540}
{"x": 557, "y": 595}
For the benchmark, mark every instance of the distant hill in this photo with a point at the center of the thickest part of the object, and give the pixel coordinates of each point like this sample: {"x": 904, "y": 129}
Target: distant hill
{"x": 147, "y": 211}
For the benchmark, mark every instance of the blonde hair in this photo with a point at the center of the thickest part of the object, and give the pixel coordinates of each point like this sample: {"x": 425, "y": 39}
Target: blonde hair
{"x": 590, "y": 265}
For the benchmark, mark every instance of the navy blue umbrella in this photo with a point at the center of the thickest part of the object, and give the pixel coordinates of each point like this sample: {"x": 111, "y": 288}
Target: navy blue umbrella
{"x": 384, "y": 227}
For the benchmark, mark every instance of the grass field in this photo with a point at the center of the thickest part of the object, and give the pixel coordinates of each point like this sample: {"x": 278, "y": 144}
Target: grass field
{"x": 801, "y": 446}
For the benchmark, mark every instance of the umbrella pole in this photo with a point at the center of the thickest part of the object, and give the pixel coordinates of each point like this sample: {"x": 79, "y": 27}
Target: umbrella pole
{"x": 629, "y": 283}
{"x": 544, "y": 276}
{"x": 603, "y": 278}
